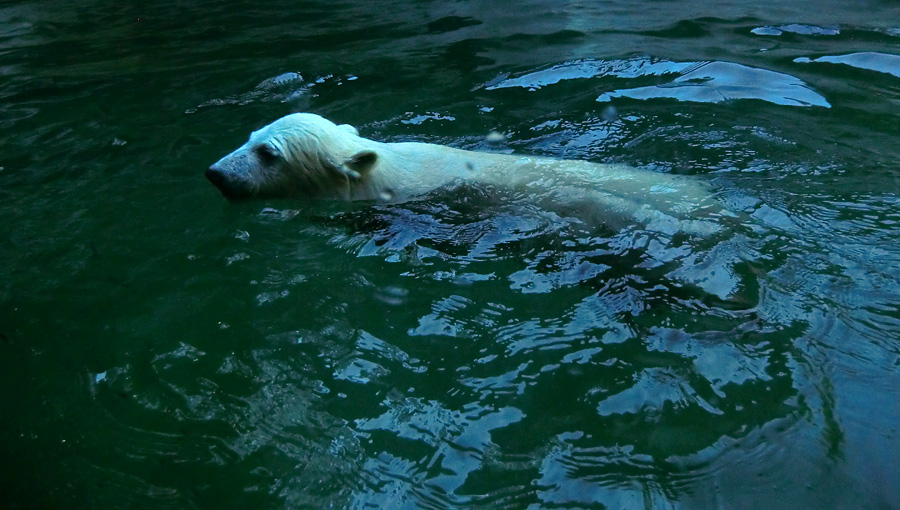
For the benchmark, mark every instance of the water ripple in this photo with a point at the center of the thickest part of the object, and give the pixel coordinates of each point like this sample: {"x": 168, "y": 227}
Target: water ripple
{"x": 714, "y": 82}
{"x": 704, "y": 82}
{"x": 869, "y": 60}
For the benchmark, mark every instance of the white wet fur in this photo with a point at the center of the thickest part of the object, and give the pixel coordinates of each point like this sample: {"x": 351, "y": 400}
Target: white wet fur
{"x": 306, "y": 155}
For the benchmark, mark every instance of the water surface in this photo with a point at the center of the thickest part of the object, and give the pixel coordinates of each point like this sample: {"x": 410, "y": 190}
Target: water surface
{"x": 476, "y": 347}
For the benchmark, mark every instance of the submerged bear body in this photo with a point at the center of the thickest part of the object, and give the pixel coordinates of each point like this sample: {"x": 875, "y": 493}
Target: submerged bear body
{"x": 305, "y": 155}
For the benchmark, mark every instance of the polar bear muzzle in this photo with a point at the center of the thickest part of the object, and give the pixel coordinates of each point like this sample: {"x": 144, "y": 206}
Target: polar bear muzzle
{"x": 234, "y": 182}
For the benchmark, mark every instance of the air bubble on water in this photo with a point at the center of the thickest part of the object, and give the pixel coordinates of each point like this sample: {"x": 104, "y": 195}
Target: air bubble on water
{"x": 223, "y": 325}
{"x": 495, "y": 137}
{"x": 279, "y": 214}
{"x": 243, "y": 235}
{"x": 294, "y": 95}
{"x": 392, "y": 295}
{"x": 286, "y": 78}
{"x": 280, "y": 81}
{"x": 270, "y": 297}
{"x": 237, "y": 257}
{"x": 766, "y": 31}
{"x": 609, "y": 113}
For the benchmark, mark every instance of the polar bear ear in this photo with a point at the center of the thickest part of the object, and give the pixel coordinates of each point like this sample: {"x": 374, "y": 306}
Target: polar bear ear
{"x": 360, "y": 164}
{"x": 347, "y": 127}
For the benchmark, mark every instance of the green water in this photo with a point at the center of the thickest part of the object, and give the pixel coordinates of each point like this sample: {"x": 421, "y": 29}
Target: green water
{"x": 161, "y": 347}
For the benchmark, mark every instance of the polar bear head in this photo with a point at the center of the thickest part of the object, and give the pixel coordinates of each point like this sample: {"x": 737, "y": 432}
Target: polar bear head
{"x": 298, "y": 155}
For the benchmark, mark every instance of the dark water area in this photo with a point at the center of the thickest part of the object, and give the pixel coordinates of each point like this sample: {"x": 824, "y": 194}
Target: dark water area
{"x": 161, "y": 347}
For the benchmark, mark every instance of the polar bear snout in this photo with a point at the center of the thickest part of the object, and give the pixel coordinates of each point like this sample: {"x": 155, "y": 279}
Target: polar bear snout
{"x": 229, "y": 183}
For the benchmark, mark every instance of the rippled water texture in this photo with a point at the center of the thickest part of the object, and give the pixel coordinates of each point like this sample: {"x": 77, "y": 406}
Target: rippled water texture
{"x": 479, "y": 346}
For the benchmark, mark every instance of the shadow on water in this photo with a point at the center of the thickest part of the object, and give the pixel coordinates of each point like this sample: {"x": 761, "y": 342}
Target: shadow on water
{"x": 479, "y": 346}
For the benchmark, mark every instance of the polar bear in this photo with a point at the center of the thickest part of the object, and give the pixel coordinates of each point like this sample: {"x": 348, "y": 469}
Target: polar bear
{"x": 305, "y": 155}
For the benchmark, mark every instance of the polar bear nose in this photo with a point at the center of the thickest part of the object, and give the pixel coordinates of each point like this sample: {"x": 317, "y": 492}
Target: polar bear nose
{"x": 226, "y": 182}
{"x": 216, "y": 176}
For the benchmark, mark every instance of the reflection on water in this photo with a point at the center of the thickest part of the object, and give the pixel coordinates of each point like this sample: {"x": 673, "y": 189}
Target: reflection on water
{"x": 713, "y": 82}
{"x": 870, "y": 60}
{"x": 477, "y": 347}
{"x": 705, "y": 82}
{"x": 481, "y": 339}
{"x": 632, "y": 68}
{"x": 795, "y": 28}
{"x": 285, "y": 87}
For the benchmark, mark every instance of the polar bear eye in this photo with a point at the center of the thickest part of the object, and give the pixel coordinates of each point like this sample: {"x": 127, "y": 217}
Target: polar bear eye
{"x": 267, "y": 153}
